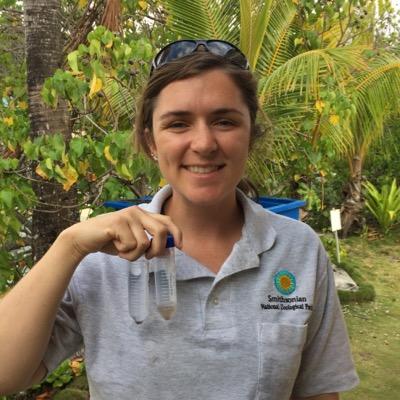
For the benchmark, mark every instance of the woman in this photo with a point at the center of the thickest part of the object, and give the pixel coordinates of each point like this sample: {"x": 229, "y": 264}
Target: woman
{"x": 258, "y": 316}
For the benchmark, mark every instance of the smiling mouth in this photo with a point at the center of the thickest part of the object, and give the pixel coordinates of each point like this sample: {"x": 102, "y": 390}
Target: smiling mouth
{"x": 203, "y": 169}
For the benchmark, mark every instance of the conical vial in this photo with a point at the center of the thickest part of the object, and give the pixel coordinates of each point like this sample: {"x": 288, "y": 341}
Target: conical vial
{"x": 165, "y": 280}
{"x": 139, "y": 291}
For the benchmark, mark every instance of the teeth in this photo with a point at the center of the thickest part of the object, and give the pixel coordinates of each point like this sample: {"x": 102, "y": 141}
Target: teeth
{"x": 202, "y": 170}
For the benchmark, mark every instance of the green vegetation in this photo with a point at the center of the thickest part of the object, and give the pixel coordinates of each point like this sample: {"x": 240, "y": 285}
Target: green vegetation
{"x": 365, "y": 292}
{"x": 384, "y": 205}
{"x": 329, "y": 78}
{"x": 374, "y": 327}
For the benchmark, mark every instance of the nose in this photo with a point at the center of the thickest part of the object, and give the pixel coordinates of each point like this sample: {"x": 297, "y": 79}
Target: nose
{"x": 204, "y": 141}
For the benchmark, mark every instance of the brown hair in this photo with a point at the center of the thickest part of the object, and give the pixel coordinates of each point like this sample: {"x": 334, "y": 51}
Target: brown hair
{"x": 187, "y": 67}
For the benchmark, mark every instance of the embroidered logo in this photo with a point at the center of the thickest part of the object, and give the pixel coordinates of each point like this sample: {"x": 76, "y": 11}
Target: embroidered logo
{"x": 285, "y": 282}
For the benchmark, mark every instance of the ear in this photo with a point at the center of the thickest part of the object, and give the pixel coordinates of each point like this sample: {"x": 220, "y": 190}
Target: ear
{"x": 150, "y": 144}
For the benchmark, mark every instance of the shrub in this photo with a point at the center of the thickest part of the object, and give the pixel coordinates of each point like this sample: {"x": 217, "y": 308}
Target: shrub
{"x": 384, "y": 205}
{"x": 365, "y": 292}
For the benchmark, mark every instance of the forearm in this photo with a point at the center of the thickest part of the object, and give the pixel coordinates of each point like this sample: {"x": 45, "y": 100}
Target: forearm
{"x": 27, "y": 314}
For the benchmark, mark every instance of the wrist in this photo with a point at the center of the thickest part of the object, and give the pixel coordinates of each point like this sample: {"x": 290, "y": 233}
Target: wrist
{"x": 66, "y": 243}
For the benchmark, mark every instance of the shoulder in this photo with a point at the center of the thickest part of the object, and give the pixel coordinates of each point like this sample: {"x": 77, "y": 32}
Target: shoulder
{"x": 291, "y": 228}
{"x": 287, "y": 229}
{"x": 285, "y": 241}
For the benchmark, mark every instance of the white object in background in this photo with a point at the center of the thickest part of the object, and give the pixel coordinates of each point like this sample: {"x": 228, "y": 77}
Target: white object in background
{"x": 85, "y": 214}
{"x": 343, "y": 280}
{"x": 336, "y": 225}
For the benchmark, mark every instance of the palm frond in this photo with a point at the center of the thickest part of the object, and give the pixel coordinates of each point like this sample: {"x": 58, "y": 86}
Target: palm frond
{"x": 254, "y": 20}
{"x": 376, "y": 97}
{"x": 207, "y": 19}
{"x": 278, "y": 42}
{"x": 303, "y": 73}
{"x": 339, "y": 136}
{"x": 378, "y": 69}
{"x": 119, "y": 104}
{"x": 332, "y": 36}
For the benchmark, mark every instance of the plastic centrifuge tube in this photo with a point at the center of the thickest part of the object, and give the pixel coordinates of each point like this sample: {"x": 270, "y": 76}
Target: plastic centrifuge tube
{"x": 139, "y": 292}
{"x": 165, "y": 280}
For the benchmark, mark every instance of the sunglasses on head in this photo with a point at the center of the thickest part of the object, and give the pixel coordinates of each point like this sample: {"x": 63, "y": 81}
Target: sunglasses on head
{"x": 181, "y": 48}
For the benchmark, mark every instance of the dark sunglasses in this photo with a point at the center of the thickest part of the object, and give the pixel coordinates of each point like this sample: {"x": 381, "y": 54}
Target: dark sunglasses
{"x": 182, "y": 48}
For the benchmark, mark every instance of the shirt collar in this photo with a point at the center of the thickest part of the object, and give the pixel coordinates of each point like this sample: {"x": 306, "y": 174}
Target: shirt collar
{"x": 258, "y": 236}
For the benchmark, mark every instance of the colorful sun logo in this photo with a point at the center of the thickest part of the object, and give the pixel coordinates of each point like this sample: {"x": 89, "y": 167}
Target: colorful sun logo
{"x": 285, "y": 282}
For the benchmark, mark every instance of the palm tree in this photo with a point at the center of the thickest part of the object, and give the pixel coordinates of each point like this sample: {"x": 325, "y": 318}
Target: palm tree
{"x": 375, "y": 94}
{"x": 291, "y": 79}
{"x": 43, "y": 56}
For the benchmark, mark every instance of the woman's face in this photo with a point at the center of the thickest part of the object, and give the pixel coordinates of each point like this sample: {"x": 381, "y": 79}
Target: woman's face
{"x": 201, "y": 132}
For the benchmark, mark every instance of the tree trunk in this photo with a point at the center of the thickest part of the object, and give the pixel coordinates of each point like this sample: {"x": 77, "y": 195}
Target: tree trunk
{"x": 353, "y": 203}
{"x": 111, "y": 16}
{"x": 92, "y": 14}
{"x": 43, "y": 56}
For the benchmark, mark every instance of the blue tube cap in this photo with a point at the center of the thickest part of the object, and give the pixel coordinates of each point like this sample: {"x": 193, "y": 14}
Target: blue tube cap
{"x": 170, "y": 241}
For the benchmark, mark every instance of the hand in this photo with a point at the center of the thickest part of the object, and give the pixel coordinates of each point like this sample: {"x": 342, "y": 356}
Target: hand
{"x": 123, "y": 233}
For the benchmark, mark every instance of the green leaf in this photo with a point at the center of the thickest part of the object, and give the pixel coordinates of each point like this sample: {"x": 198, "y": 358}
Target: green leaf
{"x": 384, "y": 205}
{"x": 77, "y": 145}
{"x": 121, "y": 140}
{"x": 107, "y": 38}
{"x": 124, "y": 172}
{"x": 204, "y": 18}
{"x": 73, "y": 60}
{"x": 98, "y": 69}
{"x": 82, "y": 49}
{"x": 6, "y": 196}
{"x": 308, "y": 124}
{"x": 57, "y": 143}
{"x": 31, "y": 150}
{"x": 253, "y": 25}
{"x": 8, "y": 163}
{"x": 49, "y": 164}
{"x": 95, "y": 48}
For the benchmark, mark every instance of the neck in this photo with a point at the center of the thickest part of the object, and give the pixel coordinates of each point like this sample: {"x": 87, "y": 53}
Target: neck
{"x": 212, "y": 221}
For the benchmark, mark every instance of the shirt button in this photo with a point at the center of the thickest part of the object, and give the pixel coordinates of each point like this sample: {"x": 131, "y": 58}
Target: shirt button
{"x": 216, "y": 301}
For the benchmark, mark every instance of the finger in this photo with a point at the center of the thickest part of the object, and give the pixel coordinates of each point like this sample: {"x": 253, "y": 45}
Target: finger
{"x": 153, "y": 227}
{"x": 142, "y": 239}
{"x": 138, "y": 251}
{"x": 159, "y": 233}
{"x": 171, "y": 228}
{"x": 121, "y": 239}
{"x": 124, "y": 240}
{"x": 148, "y": 219}
{"x": 109, "y": 248}
{"x": 132, "y": 255}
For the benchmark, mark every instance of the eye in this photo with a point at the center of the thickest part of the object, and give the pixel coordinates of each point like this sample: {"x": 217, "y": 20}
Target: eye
{"x": 176, "y": 126}
{"x": 225, "y": 123}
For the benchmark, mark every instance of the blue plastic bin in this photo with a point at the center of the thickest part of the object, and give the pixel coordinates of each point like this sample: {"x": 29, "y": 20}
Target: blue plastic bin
{"x": 287, "y": 207}
{"x": 283, "y": 206}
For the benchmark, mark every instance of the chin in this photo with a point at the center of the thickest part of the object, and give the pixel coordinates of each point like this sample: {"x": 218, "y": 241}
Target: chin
{"x": 207, "y": 197}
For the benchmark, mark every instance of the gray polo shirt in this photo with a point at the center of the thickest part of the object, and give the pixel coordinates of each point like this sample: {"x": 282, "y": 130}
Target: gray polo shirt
{"x": 267, "y": 325}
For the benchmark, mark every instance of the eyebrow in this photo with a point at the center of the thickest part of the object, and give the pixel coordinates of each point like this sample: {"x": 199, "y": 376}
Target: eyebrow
{"x": 185, "y": 113}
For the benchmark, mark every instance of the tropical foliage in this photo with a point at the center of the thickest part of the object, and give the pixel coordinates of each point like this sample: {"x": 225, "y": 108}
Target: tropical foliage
{"x": 98, "y": 162}
{"x": 328, "y": 73}
{"x": 320, "y": 75}
{"x": 384, "y": 204}
{"x": 328, "y": 88}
